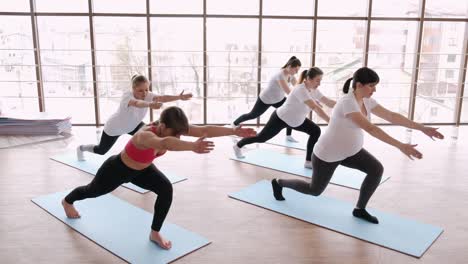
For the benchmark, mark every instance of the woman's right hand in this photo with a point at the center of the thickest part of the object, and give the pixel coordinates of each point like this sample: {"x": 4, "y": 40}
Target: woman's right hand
{"x": 202, "y": 146}
{"x": 155, "y": 105}
{"x": 410, "y": 151}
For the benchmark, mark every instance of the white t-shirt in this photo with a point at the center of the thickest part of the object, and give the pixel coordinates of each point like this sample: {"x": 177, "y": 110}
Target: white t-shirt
{"x": 294, "y": 110}
{"x": 274, "y": 93}
{"x": 127, "y": 118}
{"x": 343, "y": 138}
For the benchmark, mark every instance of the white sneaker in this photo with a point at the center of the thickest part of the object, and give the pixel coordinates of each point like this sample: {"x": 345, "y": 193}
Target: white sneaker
{"x": 291, "y": 139}
{"x": 80, "y": 154}
{"x": 308, "y": 164}
{"x": 238, "y": 152}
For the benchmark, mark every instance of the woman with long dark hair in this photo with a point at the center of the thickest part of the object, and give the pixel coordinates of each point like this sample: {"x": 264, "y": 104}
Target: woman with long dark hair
{"x": 342, "y": 143}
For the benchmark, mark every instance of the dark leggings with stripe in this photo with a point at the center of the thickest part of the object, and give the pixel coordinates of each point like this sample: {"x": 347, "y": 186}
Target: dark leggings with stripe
{"x": 114, "y": 172}
{"x": 275, "y": 125}
{"x": 107, "y": 141}
{"x": 259, "y": 108}
{"x": 322, "y": 173}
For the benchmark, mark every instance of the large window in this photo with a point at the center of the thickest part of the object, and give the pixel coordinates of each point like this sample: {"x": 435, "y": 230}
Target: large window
{"x": 66, "y": 67}
{"x": 391, "y": 55}
{"x": 282, "y": 39}
{"x": 17, "y": 67}
{"x": 178, "y": 61}
{"x": 121, "y": 51}
{"x": 436, "y": 91}
{"x": 232, "y": 49}
{"x": 224, "y": 52}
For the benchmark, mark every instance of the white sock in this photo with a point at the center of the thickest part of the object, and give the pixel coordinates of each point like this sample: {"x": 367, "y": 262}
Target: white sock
{"x": 89, "y": 148}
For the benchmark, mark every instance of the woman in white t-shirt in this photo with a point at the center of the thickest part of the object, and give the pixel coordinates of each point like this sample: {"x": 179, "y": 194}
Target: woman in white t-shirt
{"x": 133, "y": 108}
{"x": 342, "y": 143}
{"x": 293, "y": 113}
{"x": 273, "y": 95}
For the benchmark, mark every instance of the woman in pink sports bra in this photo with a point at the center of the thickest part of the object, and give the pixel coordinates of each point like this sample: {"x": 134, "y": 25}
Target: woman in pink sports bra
{"x": 135, "y": 164}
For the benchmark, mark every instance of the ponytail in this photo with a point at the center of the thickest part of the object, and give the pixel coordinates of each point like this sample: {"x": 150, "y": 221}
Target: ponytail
{"x": 293, "y": 62}
{"x": 346, "y": 85}
{"x": 302, "y": 76}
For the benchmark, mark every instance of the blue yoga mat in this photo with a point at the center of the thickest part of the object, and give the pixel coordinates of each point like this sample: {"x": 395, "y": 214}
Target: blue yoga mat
{"x": 94, "y": 161}
{"x": 343, "y": 176}
{"x": 393, "y": 232}
{"x": 123, "y": 229}
{"x": 280, "y": 140}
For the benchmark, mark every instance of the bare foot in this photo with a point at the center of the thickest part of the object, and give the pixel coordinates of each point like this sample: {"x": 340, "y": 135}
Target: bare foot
{"x": 158, "y": 239}
{"x": 70, "y": 210}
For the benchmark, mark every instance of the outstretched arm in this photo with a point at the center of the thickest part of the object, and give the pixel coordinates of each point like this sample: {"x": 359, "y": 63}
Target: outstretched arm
{"x": 144, "y": 104}
{"x": 360, "y": 120}
{"x": 330, "y": 103}
{"x": 171, "y": 98}
{"x": 317, "y": 109}
{"x": 219, "y": 131}
{"x": 150, "y": 140}
{"x": 398, "y": 119}
{"x": 284, "y": 85}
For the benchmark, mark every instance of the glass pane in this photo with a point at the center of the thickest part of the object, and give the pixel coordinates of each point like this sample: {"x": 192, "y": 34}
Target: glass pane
{"x": 18, "y": 104}
{"x": 342, "y": 8}
{"x": 176, "y": 7}
{"x": 62, "y": 6}
{"x": 395, "y": 8}
{"x": 226, "y": 110}
{"x": 177, "y": 50}
{"x": 391, "y": 55}
{"x": 441, "y": 52}
{"x": 121, "y": 52}
{"x": 232, "y": 65}
{"x": 296, "y": 40}
{"x": 119, "y": 6}
{"x": 17, "y": 70}
{"x": 446, "y": 8}
{"x": 339, "y": 57}
{"x": 66, "y": 66}
{"x": 292, "y": 8}
{"x": 15, "y": 6}
{"x": 229, "y": 7}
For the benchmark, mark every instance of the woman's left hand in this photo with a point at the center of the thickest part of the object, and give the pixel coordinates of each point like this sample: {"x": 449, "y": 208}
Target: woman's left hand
{"x": 432, "y": 132}
{"x": 185, "y": 97}
{"x": 244, "y": 132}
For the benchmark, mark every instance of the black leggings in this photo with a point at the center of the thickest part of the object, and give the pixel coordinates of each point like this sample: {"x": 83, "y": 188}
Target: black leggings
{"x": 259, "y": 108}
{"x": 275, "y": 125}
{"x": 114, "y": 172}
{"x": 107, "y": 141}
{"x": 322, "y": 173}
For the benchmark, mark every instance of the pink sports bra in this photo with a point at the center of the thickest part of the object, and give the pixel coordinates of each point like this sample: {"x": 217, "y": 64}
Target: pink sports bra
{"x": 142, "y": 155}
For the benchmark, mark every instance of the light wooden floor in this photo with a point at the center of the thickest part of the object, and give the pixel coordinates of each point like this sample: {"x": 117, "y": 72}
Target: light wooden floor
{"x": 433, "y": 190}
